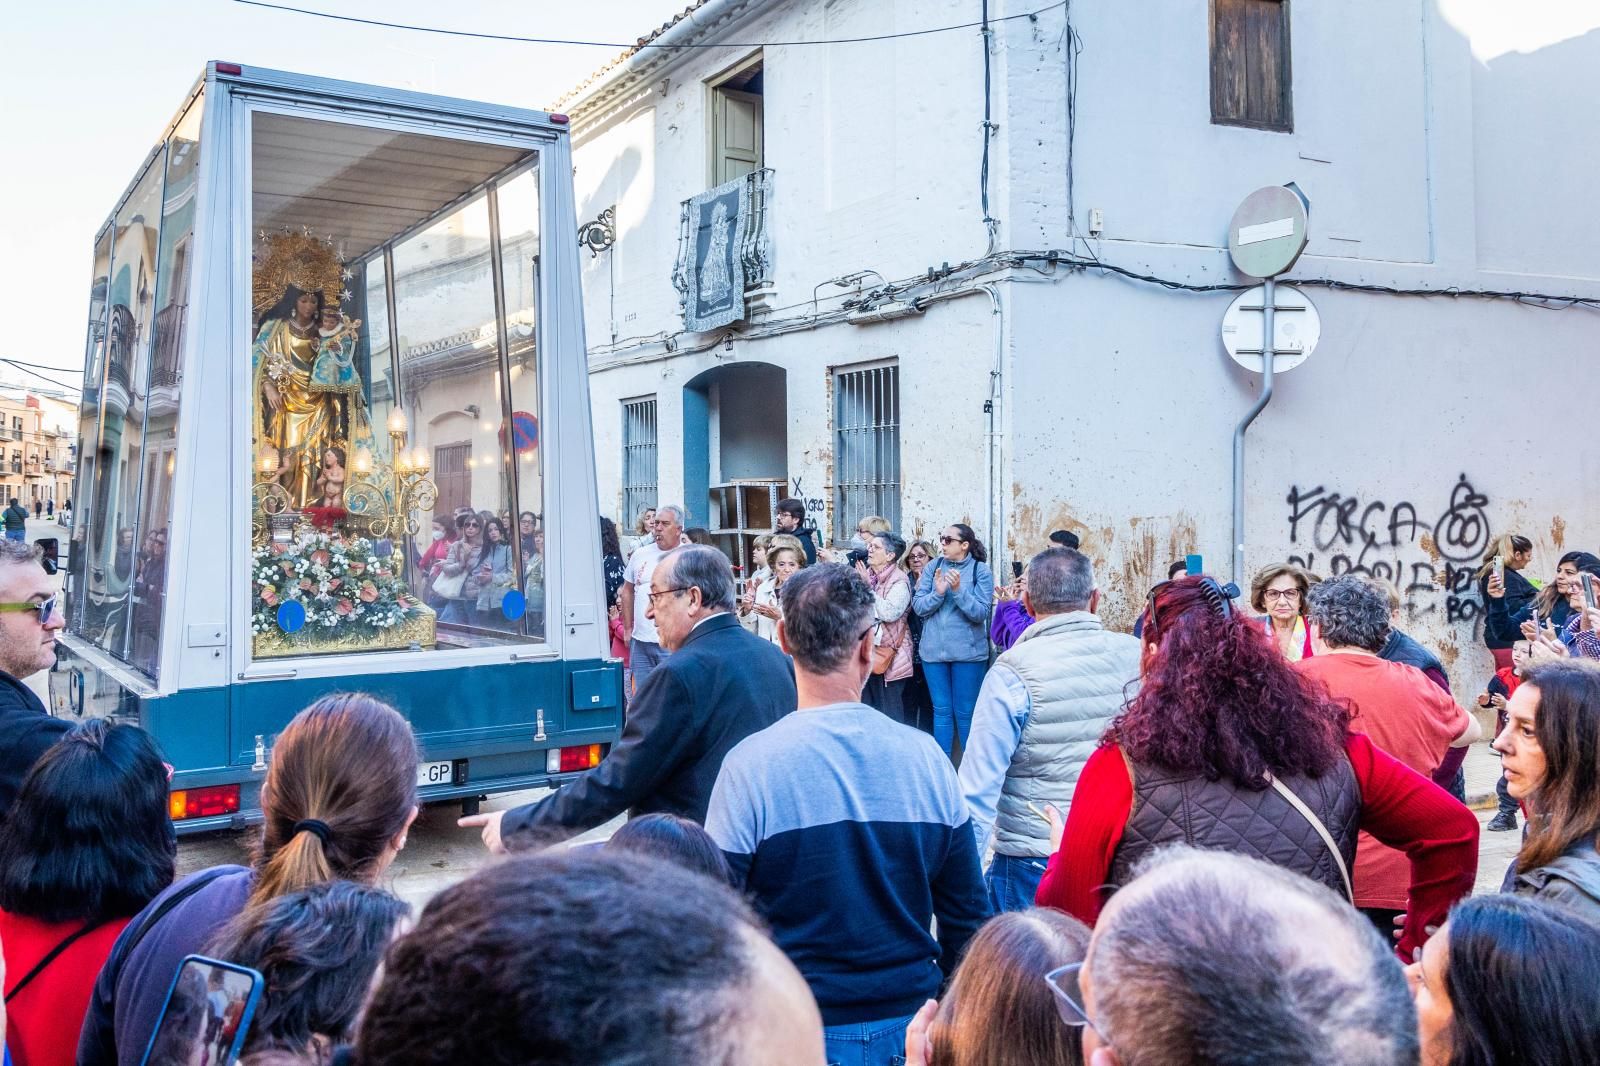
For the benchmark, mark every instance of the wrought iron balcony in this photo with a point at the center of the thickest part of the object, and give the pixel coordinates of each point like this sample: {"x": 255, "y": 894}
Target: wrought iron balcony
{"x": 724, "y": 251}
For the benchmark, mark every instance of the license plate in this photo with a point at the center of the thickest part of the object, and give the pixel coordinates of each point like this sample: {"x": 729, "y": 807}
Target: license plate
{"x": 435, "y": 773}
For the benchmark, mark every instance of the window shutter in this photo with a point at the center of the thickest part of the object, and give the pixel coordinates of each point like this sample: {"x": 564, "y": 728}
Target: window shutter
{"x": 737, "y": 118}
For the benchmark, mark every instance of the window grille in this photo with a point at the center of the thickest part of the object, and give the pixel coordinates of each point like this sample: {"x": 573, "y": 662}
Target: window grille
{"x": 866, "y": 453}
{"x": 638, "y": 459}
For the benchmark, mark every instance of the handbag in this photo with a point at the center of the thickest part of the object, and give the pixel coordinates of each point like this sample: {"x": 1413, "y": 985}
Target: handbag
{"x": 1322, "y": 831}
{"x": 448, "y": 586}
{"x": 883, "y": 654}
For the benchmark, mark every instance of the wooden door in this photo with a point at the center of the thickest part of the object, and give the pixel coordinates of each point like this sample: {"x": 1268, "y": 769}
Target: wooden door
{"x": 453, "y": 477}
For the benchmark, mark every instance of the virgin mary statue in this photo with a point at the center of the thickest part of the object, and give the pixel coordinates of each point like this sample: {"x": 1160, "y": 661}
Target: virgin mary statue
{"x": 298, "y": 420}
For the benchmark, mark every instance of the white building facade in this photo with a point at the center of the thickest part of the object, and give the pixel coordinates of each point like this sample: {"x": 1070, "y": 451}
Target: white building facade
{"x": 904, "y": 348}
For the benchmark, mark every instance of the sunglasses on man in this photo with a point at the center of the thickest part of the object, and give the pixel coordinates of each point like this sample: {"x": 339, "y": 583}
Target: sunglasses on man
{"x": 46, "y": 608}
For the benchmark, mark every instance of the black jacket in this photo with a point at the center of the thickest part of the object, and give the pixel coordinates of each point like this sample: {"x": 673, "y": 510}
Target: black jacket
{"x": 16, "y": 517}
{"x": 720, "y": 686}
{"x": 807, "y": 536}
{"x": 26, "y": 730}
{"x": 1503, "y": 618}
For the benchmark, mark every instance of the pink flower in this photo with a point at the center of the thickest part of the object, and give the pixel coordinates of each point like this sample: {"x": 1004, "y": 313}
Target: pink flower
{"x": 357, "y": 566}
{"x": 268, "y": 597}
{"x": 334, "y": 583}
{"x": 288, "y": 568}
{"x": 321, "y": 556}
{"x": 305, "y": 584}
{"x": 344, "y": 607}
{"x": 368, "y": 593}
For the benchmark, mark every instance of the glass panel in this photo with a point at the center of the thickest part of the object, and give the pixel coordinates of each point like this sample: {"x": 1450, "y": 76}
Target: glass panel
{"x": 113, "y": 539}
{"x": 88, "y": 430}
{"x": 378, "y": 394}
{"x": 165, "y": 383}
{"x": 518, "y": 201}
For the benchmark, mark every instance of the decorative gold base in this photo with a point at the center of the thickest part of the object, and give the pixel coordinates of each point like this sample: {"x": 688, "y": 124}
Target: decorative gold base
{"x": 309, "y": 641}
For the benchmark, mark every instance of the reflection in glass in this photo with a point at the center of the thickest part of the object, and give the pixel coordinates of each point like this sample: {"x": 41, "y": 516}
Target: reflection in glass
{"x": 88, "y": 429}
{"x": 112, "y": 536}
{"x": 518, "y": 203}
{"x": 160, "y": 415}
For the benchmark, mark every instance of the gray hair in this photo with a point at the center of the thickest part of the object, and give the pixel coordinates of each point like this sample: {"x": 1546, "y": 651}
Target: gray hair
{"x": 679, "y": 515}
{"x": 1060, "y": 580}
{"x": 1351, "y": 612}
{"x": 17, "y": 552}
{"x": 826, "y": 610}
{"x": 1275, "y": 960}
{"x": 700, "y": 566}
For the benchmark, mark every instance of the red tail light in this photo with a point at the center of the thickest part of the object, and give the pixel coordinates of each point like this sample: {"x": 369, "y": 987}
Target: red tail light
{"x": 203, "y": 802}
{"x": 583, "y": 758}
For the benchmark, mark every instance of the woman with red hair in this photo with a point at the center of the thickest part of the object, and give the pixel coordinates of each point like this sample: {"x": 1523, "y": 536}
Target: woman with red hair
{"x": 1227, "y": 747}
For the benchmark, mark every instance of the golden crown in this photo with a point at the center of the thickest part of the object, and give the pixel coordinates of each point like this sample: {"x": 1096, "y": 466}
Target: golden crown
{"x": 304, "y": 260}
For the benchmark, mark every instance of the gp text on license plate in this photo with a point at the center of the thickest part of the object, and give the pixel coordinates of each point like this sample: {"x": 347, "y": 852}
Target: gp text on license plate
{"x": 434, "y": 773}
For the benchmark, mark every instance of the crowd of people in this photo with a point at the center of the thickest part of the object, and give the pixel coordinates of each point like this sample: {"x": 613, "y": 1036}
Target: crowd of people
{"x": 1229, "y": 838}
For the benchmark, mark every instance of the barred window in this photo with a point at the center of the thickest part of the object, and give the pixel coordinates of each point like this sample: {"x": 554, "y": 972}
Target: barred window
{"x": 866, "y": 452}
{"x": 638, "y": 458}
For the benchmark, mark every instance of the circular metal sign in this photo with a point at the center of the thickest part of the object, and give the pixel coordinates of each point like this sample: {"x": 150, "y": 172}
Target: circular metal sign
{"x": 1295, "y": 321}
{"x": 1268, "y": 231}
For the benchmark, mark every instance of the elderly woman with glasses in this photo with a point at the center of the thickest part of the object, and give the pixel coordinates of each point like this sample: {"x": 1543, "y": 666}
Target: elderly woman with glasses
{"x": 954, "y": 596}
{"x": 1278, "y": 593}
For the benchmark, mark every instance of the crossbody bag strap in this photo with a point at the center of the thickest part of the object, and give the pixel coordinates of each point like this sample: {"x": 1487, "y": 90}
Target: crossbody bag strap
{"x": 69, "y": 940}
{"x": 1322, "y": 831}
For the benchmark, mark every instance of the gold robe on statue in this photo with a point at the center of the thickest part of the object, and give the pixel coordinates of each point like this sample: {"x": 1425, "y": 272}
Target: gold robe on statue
{"x": 307, "y": 422}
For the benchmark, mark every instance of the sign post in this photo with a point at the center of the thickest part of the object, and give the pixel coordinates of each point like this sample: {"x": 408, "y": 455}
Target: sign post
{"x": 1265, "y": 238}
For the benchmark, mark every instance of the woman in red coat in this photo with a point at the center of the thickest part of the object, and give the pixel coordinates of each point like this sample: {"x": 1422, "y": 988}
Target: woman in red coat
{"x": 1227, "y": 747}
{"x": 86, "y": 845}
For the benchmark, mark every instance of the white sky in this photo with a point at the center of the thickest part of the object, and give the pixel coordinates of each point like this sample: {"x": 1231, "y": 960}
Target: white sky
{"x": 88, "y": 85}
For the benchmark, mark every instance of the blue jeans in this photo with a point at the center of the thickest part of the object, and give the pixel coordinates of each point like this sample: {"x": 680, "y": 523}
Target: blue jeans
{"x": 880, "y": 1043}
{"x": 1012, "y": 882}
{"x": 953, "y": 687}
{"x": 16, "y": 534}
{"x": 643, "y": 657}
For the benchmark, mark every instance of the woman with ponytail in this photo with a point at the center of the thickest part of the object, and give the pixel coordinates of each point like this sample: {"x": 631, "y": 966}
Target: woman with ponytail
{"x": 1223, "y": 741}
{"x": 337, "y": 801}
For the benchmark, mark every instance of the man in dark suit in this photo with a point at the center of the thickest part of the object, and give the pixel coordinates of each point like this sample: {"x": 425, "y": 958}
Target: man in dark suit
{"x": 30, "y": 617}
{"x": 719, "y": 685}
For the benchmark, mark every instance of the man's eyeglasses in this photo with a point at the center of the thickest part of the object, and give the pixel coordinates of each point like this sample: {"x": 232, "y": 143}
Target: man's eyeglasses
{"x": 46, "y": 608}
{"x": 1068, "y": 995}
{"x": 664, "y": 592}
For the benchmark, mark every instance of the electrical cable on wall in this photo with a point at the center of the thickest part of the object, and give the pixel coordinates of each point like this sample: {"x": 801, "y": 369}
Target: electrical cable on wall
{"x": 990, "y": 223}
{"x": 641, "y": 43}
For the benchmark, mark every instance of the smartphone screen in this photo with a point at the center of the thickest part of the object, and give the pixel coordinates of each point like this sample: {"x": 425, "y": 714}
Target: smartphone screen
{"x": 1194, "y": 565}
{"x": 1587, "y": 584}
{"x": 207, "y": 1014}
{"x": 1016, "y": 568}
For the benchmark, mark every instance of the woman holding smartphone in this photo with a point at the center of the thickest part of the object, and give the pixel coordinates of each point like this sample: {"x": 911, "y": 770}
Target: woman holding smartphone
{"x": 953, "y": 598}
{"x": 1500, "y": 578}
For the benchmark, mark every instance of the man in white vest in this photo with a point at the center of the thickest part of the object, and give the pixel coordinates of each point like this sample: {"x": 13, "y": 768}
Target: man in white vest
{"x": 1040, "y": 715}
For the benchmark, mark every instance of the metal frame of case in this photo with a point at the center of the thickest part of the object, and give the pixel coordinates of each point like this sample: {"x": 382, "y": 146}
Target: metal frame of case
{"x": 495, "y": 712}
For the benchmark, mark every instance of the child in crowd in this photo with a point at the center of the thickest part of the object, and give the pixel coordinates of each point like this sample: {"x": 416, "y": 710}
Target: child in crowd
{"x": 1499, "y": 690}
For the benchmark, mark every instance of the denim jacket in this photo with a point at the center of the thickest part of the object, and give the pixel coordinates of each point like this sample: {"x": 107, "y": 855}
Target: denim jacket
{"x": 955, "y": 624}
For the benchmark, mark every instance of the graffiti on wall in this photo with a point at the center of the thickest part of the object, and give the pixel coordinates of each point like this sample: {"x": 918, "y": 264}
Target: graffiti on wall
{"x": 1427, "y": 552}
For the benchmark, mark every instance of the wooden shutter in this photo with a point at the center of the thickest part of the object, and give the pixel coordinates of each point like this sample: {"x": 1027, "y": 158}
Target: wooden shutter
{"x": 736, "y": 130}
{"x": 452, "y": 476}
{"x": 1250, "y": 75}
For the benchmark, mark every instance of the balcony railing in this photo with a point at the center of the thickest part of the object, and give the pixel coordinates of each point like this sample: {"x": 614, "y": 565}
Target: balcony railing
{"x": 724, "y": 251}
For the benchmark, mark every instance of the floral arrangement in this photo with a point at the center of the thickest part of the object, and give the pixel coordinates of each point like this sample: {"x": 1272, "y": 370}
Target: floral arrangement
{"x": 346, "y": 588}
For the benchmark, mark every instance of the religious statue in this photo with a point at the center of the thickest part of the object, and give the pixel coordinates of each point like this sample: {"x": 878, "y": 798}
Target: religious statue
{"x": 307, "y": 390}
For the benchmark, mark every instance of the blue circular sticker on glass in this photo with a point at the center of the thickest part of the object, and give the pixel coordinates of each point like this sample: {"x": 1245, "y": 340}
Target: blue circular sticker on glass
{"x": 291, "y": 616}
{"x": 514, "y": 606}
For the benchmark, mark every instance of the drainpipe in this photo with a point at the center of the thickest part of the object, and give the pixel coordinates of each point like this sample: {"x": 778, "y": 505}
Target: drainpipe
{"x": 1268, "y": 357}
{"x": 991, "y": 410}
